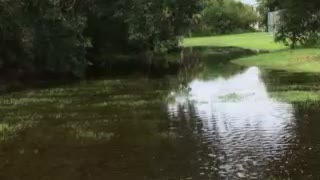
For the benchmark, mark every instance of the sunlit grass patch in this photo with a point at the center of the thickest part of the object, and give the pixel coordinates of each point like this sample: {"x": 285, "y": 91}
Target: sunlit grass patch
{"x": 254, "y": 41}
{"x": 298, "y": 60}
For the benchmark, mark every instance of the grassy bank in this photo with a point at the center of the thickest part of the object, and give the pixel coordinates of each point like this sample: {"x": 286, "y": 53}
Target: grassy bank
{"x": 298, "y": 60}
{"x": 255, "y": 41}
{"x": 279, "y": 58}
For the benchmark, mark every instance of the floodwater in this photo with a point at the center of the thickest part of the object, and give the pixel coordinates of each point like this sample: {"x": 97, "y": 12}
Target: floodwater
{"x": 221, "y": 121}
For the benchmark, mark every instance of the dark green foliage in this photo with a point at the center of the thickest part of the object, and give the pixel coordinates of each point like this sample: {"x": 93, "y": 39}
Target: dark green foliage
{"x": 65, "y": 36}
{"x": 265, "y": 6}
{"x": 44, "y": 36}
{"x": 300, "y": 21}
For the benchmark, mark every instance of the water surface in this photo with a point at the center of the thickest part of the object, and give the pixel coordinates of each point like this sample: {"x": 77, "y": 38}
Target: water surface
{"x": 220, "y": 121}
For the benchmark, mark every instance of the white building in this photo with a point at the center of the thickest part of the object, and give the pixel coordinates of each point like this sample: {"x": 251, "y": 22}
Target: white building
{"x": 273, "y": 21}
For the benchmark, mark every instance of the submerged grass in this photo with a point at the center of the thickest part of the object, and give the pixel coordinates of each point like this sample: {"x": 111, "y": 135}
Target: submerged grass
{"x": 232, "y": 97}
{"x": 297, "y": 96}
{"x": 101, "y": 103}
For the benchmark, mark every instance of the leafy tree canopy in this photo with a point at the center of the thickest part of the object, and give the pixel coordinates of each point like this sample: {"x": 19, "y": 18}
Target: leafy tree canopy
{"x": 300, "y": 21}
{"x": 227, "y": 16}
{"x": 59, "y": 35}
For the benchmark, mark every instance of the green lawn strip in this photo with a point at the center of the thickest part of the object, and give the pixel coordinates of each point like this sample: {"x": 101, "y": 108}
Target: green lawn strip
{"x": 298, "y": 60}
{"x": 254, "y": 41}
{"x": 280, "y": 58}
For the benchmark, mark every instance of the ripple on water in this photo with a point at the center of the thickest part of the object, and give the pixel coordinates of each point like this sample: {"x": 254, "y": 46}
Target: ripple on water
{"x": 246, "y": 128}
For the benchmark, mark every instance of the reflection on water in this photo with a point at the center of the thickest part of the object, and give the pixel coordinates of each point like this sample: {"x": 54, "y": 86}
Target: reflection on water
{"x": 238, "y": 116}
{"x": 242, "y": 98}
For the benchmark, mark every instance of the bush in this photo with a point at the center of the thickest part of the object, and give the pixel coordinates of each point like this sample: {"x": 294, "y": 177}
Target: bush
{"x": 58, "y": 36}
{"x": 224, "y": 17}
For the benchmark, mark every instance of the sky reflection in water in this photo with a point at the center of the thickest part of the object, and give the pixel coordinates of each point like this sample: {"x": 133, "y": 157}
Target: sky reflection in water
{"x": 238, "y": 114}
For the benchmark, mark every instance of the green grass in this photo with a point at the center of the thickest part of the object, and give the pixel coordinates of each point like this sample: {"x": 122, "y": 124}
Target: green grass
{"x": 254, "y": 41}
{"x": 280, "y": 58}
{"x": 298, "y": 60}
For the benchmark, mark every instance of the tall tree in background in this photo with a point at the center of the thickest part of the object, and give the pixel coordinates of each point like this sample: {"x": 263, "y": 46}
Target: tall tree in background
{"x": 227, "y": 16}
{"x": 265, "y": 6}
{"x": 300, "y": 21}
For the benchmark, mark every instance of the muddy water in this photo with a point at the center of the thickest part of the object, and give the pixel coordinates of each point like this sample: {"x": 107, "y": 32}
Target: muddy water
{"x": 220, "y": 122}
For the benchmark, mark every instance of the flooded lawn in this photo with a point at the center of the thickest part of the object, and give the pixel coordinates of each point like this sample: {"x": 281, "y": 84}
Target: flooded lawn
{"x": 223, "y": 122}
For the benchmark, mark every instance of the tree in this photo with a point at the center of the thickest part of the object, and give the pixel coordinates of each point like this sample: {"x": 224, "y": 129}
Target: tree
{"x": 156, "y": 25}
{"x": 265, "y": 6}
{"x": 300, "y": 21}
{"x": 227, "y": 16}
{"x": 56, "y": 35}
{"x": 44, "y": 35}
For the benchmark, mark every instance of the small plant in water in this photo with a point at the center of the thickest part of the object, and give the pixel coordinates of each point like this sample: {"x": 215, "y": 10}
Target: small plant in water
{"x": 233, "y": 97}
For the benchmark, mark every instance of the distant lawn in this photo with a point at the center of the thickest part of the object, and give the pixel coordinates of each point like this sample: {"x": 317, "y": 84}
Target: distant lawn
{"x": 298, "y": 60}
{"x": 255, "y": 41}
